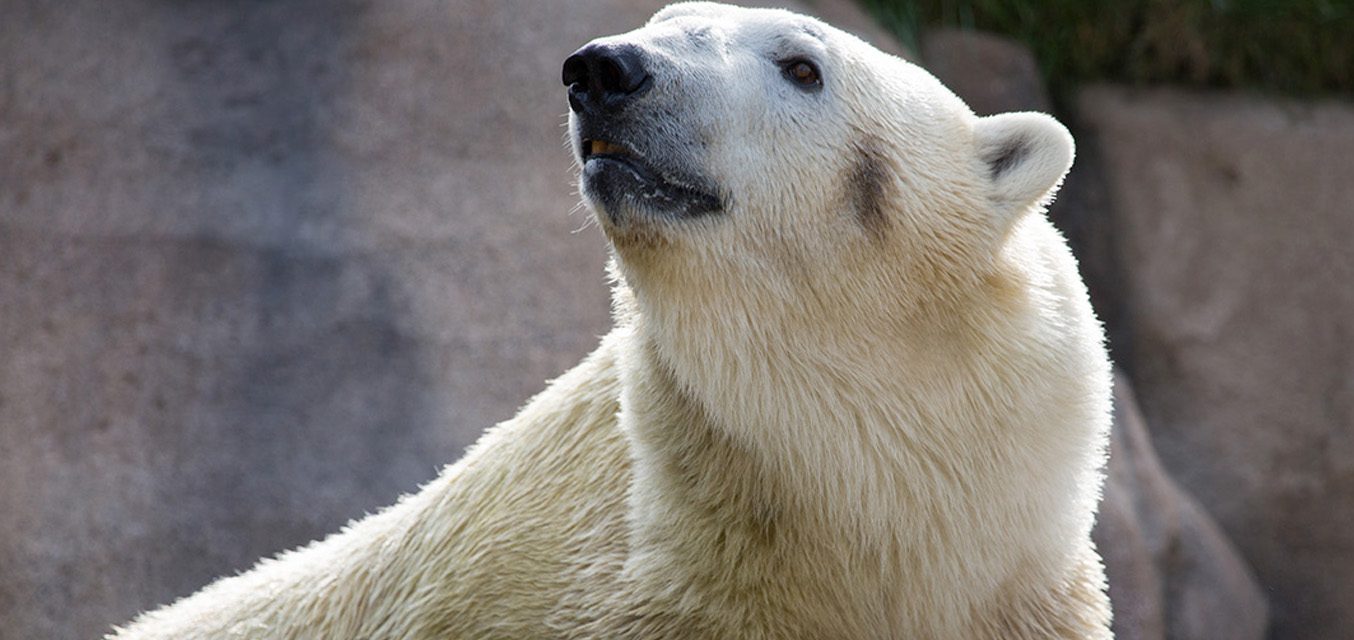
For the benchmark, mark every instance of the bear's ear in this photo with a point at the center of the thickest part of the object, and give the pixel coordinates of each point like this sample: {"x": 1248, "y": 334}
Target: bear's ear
{"x": 1025, "y": 155}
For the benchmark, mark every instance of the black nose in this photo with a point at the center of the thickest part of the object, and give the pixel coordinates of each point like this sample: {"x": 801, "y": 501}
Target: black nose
{"x": 604, "y": 76}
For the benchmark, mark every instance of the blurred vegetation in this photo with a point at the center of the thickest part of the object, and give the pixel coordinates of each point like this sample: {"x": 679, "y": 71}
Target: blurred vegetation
{"x": 1302, "y": 47}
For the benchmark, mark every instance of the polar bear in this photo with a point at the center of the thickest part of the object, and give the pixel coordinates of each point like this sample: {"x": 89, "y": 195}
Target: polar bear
{"x": 855, "y": 388}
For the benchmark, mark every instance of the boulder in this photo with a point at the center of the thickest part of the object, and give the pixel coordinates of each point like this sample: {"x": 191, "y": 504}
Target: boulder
{"x": 1173, "y": 574}
{"x": 263, "y": 268}
{"x": 848, "y": 15}
{"x": 992, "y": 73}
{"x": 1232, "y": 216}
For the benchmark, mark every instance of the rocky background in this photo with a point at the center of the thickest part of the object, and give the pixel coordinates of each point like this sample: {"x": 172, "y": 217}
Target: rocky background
{"x": 264, "y": 266}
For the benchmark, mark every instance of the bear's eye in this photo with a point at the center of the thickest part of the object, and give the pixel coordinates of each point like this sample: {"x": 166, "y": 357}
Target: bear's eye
{"x": 802, "y": 72}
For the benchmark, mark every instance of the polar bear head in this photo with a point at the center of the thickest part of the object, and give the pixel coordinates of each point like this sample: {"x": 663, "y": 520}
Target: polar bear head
{"x": 737, "y": 154}
{"x": 831, "y": 261}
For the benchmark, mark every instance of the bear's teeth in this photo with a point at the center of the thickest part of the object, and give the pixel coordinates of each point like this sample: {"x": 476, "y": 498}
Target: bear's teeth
{"x": 602, "y": 146}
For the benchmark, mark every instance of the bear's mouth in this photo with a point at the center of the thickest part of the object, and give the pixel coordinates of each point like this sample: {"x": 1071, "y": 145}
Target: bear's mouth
{"x": 603, "y": 150}
{"x": 622, "y": 177}
{"x": 592, "y": 148}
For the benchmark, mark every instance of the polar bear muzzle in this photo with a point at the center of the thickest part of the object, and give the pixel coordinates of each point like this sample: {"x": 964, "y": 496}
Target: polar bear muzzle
{"x": 629, "y": 146}
{"x": 603, "y": 77}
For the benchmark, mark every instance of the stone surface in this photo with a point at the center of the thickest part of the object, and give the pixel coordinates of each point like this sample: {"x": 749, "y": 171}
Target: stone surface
{"x": 264, "y": 266}
{"x": 993, "y": 74}
{"x": 848, "y": 15}
{"x": 1233, "y": 215}
{"x": 1172, "y": 573}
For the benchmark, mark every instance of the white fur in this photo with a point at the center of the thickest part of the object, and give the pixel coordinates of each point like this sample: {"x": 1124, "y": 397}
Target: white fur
{"x": 1046, "y": 153}
{"x": 809, "y": 422}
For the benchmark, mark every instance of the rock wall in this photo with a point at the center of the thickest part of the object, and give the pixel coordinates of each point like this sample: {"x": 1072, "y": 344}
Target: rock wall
{"x": 1172, "y": 572}
{"x": 264, "y": 266}
{"x": 1233, "y": 216}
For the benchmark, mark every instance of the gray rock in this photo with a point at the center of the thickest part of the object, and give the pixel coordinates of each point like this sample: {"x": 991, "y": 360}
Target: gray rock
{"x": 264, "y": 267}
{"x": 848, "y": 15}
{"x": 1172, "y": 573}
{"x": 1233, "y": 215}
{"x": 992, "y": 73}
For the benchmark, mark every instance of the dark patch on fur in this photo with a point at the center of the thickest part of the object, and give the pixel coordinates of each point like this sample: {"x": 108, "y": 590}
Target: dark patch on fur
{"x": 865, "y": 185}
{"x": 1006, "y": 156}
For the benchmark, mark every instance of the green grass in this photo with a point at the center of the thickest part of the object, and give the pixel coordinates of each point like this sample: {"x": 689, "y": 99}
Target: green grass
{"x": 1302, "y": 47}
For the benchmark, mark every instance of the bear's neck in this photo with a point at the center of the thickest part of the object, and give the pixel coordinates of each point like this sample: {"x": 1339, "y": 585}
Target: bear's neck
{"x": 855, "y": 423}
{"x": 865, "y": 466}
